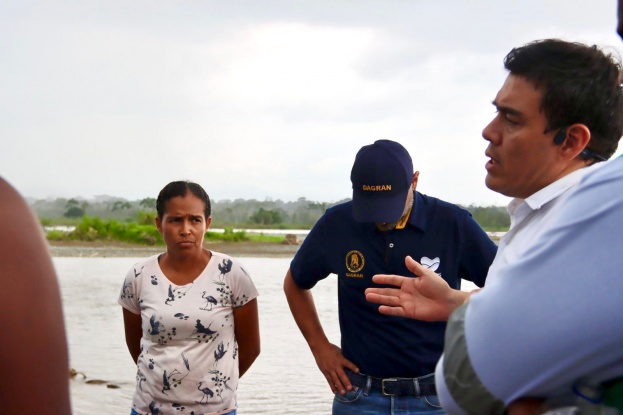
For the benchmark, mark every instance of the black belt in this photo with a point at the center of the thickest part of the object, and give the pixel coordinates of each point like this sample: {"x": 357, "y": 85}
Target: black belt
{"x": 395, "y": 386}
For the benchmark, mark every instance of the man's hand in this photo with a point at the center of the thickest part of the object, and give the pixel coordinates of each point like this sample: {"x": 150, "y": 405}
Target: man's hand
{"x": 427, "y": 297}
{"x": 331, "y": 363}
{"x": 329, "y": 357}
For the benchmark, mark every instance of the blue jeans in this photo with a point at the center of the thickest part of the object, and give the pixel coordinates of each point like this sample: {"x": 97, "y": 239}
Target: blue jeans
{"x": 360, "y": 401}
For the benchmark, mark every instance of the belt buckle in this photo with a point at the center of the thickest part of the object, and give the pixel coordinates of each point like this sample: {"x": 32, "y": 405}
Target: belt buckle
{"x": 383, "y": 386}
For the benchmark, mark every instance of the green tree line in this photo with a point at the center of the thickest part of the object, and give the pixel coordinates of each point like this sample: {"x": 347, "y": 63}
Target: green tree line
{"x": 239, "y": 213}
{"x": 490, "y": 218}
{"x": 97, "y": 229}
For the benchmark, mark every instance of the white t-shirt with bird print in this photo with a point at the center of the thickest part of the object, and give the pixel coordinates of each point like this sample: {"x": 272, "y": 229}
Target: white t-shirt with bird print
{"x": 189, "y": 355}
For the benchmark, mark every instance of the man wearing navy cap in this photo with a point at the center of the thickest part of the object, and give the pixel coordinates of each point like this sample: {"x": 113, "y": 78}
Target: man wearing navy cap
{"x": 385, "y": 364}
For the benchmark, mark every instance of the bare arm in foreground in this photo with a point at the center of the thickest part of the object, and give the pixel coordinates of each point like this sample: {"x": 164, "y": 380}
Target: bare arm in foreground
{"x": 328, "y": 356}
{"x": 427, "y": 298}
{"x": 33, "y": 354}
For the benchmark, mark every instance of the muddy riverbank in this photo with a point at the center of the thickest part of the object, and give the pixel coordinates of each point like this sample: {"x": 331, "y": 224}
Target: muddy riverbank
{"x": 108, "y": 249}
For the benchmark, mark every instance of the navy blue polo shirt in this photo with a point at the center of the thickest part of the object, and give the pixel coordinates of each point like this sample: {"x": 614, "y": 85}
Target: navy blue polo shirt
{"x": 438, "y": 234}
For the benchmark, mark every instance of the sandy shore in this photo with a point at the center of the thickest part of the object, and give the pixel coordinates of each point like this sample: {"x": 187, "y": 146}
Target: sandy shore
{"x": 106, "y": 249}
{"x": 119, "y": 249}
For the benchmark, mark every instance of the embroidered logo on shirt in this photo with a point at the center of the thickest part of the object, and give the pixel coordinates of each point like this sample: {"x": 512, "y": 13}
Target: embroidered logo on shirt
{"x": 431, "y": 264}
{"x": 354, "y": 263}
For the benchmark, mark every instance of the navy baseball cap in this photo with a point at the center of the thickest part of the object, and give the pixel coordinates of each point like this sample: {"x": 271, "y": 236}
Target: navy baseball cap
{"x": 381, "y": 177}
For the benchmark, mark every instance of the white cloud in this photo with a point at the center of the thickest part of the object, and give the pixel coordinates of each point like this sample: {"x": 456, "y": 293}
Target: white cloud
{"x": 253, "y": 102}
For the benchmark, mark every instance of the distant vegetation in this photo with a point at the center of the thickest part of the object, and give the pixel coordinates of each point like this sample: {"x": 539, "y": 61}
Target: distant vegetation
{"x": 95, "y": 229}
{"x": 133, "y": 221}
{"x": 239, "y": 213}
{"x": 491, "y": 218}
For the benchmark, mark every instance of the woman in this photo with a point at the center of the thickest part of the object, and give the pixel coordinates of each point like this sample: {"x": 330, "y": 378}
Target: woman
{"x": 190, "y": 315}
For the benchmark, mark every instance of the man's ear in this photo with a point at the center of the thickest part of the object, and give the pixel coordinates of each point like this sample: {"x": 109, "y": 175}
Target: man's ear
{"x": 578, "y": 137}
{"x": 416, "y": 176}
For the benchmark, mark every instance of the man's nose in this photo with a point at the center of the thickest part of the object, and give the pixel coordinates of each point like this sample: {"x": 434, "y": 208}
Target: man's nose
{"x": 489, "y": 133}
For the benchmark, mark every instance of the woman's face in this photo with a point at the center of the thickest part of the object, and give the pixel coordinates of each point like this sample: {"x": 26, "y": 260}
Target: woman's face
{"x": 183, "y": 224}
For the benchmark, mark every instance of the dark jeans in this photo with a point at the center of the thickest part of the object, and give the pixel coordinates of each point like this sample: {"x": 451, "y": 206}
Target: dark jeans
{"x": 363, "y": 401}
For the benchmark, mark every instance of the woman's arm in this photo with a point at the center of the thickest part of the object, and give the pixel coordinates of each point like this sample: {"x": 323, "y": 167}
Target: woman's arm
{"x": 133, "y": 333}
{"x": 247, "y": 330}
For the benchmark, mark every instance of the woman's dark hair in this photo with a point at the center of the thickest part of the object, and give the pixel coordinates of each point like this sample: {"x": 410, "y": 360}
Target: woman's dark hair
{"x": 579, "y": 83}
{"x": 181, "y": 188}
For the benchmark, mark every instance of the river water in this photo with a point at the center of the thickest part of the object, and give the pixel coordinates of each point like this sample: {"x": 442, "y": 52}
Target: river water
{"x": 283, "y": 380}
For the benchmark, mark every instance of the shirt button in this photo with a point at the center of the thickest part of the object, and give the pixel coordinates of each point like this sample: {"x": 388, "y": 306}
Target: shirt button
{"x": 391, "y": 245}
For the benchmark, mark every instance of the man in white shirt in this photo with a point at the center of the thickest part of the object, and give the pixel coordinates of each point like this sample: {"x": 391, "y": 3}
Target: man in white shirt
{"x": 549, "y": 127}
{"x": 559, "y": 111}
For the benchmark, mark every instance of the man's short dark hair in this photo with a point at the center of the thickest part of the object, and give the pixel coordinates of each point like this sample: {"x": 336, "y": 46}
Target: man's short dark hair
{"x": 580, "y": 84}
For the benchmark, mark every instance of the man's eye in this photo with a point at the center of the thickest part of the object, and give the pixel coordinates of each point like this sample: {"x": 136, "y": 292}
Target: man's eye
{"x": 509, "y": 121}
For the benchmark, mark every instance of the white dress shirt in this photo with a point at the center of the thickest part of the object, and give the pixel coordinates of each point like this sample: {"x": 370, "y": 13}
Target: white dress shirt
{"x": 554, "y": 316}
{"x": 531, "y": 217}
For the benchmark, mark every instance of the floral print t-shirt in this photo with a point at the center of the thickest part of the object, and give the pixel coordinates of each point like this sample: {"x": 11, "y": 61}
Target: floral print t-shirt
{"x": 189, "y": 355}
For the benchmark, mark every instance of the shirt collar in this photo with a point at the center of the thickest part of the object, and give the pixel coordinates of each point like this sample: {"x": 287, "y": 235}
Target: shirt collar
{"x": 553, "y": 190}
{"x": 418, "y": 212}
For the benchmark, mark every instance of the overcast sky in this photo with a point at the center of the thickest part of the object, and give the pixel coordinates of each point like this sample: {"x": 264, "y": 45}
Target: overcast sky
{"x": 260, "y": 99}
